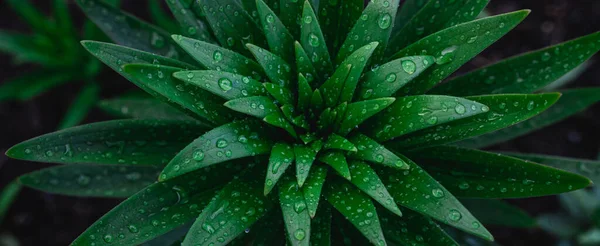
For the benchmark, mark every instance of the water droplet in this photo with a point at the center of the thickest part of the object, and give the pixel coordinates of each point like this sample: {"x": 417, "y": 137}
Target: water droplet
{"x": 530, "y": 105}
{"x": 447, "y": 55}
{"x": 270, "y": 18}
{"x": 218, "y": 56}
{"x": 132, "y": 228}
{"x": 299, "y": 206}
{"x": 313, "y": 40}
{"x": 299, "y": 234}
{"x": 198, "y": 155}
{"x": 225, "y": 84}
{"x": 409, "y": 66}
{"x": 546, "y": 56}
{"x": 83, "y": 180}
{"x": 460, "y": 109}
{"x": 463, "y": 186}
{"x": 221, "y": 143}
{"x": 230, "y": 41}
{"x": 385, "y": 21}
{"x": 308, "y": 19}
{"x": 433, "y": 120}
{"x": 454, "y": 215}
{"x": 107, "y": 238}
{"x": 208, "y": 228}
{"x": 391, "y": 77}
{"x": 437, "y": 193}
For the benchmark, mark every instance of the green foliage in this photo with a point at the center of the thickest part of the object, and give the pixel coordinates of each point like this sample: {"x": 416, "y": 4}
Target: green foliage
{"x": 306, "y": 121}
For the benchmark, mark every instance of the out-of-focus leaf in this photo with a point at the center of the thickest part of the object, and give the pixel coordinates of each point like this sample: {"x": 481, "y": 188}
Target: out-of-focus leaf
{"x": 159, "y": 208}
{"x": 239, "y": 204}
{"x": 81, "y": 105}
{"x": 27, "y": 86}
{"x": 497, "y": 212}
{"x": 406, "y": 12}
{"x": 127, "y": 30}
{"x": 141, "y": 108}
{"x": 7, "y": 196}
{"x": 570, "y": 103}
{"x": 172, "y": 238}
{"x": 126, "y": 142}
{"x": 525, "y": 73}
{"x": 456, "y": 45}
{"x": 502, "y": 111}
{"x": 478, "y": 174}
{"x": 30, "y": 14}
{"x": 92, "y": 180}
{"x": 28, "y": 48}
{"x": 228, "y": 142}
{"x": 560, "y": 225}
{"x": 160, "y": 17}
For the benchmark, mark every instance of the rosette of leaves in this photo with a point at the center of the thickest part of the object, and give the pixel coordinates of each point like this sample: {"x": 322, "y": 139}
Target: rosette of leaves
{"x": 309, "y": 122}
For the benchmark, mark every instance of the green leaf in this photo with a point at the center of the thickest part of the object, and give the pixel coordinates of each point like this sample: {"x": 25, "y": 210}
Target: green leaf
{"x": 171, "y": 238}
{"x": 232, "y": 25}
{"x": 525, "y": 73}
{"x": 122, "y": 142}
{"x": 358, "y": 112}
{"x": 305, "y": 156}
{"x": 377, "y": 20}
{"x": 282, "y": 156}
{"x": 428, "y": 197}
{"x": 160, "y": 17}
{"x": 408, "y": 10}
{"x": 478, "y": 174}
{"x": 80, "y": 106}
{"x": 456, "y": 46}
{"x": 433, "y": 17}
{"x": 159, "y": 208}
{"x": 337, "y": 161}
{"x": 128, "y": 30}
{"x": 7, "y": 196}
{"x": 27, "y": 86}
{"x": 314, "y": 43}
{"x": 278, "y": 71}
{"x": 290, "y": 14}
{"x": 267, "y": 231}
{"x": 497, "y": 212}
{"x": 570, "y": 103}
{"x": 27, "y": 48}
{"x": 304, "y": 65}
{"x": 312, "y": 189}
{"x": 228, "y": 142}
{"x": 326, "y": 120}
{"x": 394, "y": 75}
{"x": 365, "y": 178}
{"x": 190, "y": 23}
{"x": 336, "y": 19}
{"x": 587, "y": 168}
{"x": 316, "y": 101}
{"x": 295, "y": 214}
{"x": 342, "y": 84}
{"x": 141, "y": 108}
{"x": 357, "y": 208}
{"x": 277, "y": 119}
{"x": 340, "y": 143}
{"x": 321, "y": 227}
{"x": 370, "y": 150}
{"x": 304, "y": 93}
{"x": 257, "y": 106}
{"x": 413, "y": 229}
{"x": 195, "y": 101}
{"x": 280, "y": 93}
{"x": 239, "y": 204}
{"x": 414, "y": 113}
{"x": 92, "y": 180}
{"x": 223, "y": 84}
{"x": 31, "y": 15}
{"x": 504, "y": 111}
{"x": 279, "y": 38}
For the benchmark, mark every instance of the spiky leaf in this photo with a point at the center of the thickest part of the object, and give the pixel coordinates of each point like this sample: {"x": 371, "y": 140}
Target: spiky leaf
{"x": 305, "y": 156}
{"x": 257, "y": 106}
{"x": 372, "y": 151}
{"x": 282, "y": 156}
{"x": 337, "y": 161}
{"x": 141, "y": 108}
{"x": 358, "y": 112}
{"x": 313, "y": 187}
{"x": 497, "y": 212}
{"x": 279, "y": 38}
{"x": 278, "y": 71}
{"x": 190, "y": 23}
{"x": 313, "y": 41}
{"x": 587, "y": 168}
{"x": 224, "y": 84}
{"x": 413, "y": 229}
{"x": 365, "y": 178}
{"x": 340, "y": 143}
{"x": 295, "y": 214}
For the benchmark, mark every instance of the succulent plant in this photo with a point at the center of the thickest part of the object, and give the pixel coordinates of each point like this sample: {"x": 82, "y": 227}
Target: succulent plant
{"x": 309, "y": 122}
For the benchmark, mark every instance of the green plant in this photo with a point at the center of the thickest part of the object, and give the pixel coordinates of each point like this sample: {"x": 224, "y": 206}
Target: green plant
{"x": 353, "y": 103}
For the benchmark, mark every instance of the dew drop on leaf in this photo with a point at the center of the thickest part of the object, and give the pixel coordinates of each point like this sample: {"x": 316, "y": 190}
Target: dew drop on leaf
{"x": 299, "y": 234}
{"x": 437, "y": 193}
{"x": 385, "y": 21}
{"x": 225, "y": 84}
{"x": 409, "y": 67}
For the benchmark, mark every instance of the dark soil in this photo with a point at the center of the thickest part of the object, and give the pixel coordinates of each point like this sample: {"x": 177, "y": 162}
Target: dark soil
{"x": 44, "y": 219}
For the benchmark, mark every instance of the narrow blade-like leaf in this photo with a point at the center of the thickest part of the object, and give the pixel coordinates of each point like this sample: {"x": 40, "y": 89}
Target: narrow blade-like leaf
{"x": 313, "y": 187}
{"x": 282, "y": 156}
{"x": 478, "y": 174}
{"x": 340, "y": 143}
{"x": 390, "y": 77}
{"x": 357, "y": 208}
{"x": 587, "y": 168}
{"x": 365, "y": 178}
{"x": 313, "y": 42}
{"x": 226, "y": 85}
{"x": 305, "y": 67}
{"x": 504, "y": 111}
{"x": 7, "y": 196}
{"x": 278, "y": 71}
{"x": 305, "y": 156}
{"x": 228, "y": 142}
{"x": 127, "y": 142}
{"x": 279, "y": 38}
{"x": 239, "y": 204}
{"x": 321, "y": 227}
{"x": 413, "y": 229}
{"x": 337, "y": 18}
{"x": 304, "y": 93}
{"x": 524, "y": 73}
{"x": 295, "y": 214}
{"x": 92, "y": 180}
{"x": 141, "y": 108}
{"x": 190, "y": 23}
{"x": 337, "y": 161}
{"x": 456, "y": 46}
{"x": 426, "y": 196}
{"x": 570, "y": 103}
{"x": 257, "y": 106}
{"x": 372, "y": 151}
{"x": 414, "y": 113}
{"x": 358, "y": 112}
{"x": 290, "y": 13}
{"x": 81, "y": 105}
{"x": 280, "y": 93}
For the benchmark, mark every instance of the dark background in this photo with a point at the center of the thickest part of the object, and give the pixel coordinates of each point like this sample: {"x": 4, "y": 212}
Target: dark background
{"x": 44, "y": 219}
